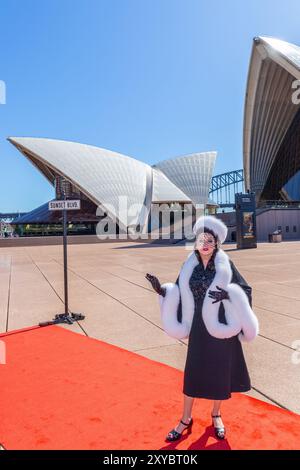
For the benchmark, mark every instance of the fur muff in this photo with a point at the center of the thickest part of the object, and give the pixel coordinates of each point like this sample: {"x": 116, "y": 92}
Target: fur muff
{"x": 240, "y": 317}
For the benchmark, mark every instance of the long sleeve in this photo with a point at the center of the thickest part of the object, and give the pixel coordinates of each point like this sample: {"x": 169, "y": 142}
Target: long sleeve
{"x": 237, "y": 278}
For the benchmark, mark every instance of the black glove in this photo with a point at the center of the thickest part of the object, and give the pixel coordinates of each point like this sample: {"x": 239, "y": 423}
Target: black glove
{"x": 156, "y": 284}
{"x": 214, "y": 294}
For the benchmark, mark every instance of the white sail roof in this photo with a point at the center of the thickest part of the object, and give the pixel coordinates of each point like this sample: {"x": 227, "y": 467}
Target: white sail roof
{"x": 191, "y": 173}
{"x": 102, "y": 175}
{"x": 105, "y": 176}
{"x": 164, "y": 190}
{"x": 269, "y": 108}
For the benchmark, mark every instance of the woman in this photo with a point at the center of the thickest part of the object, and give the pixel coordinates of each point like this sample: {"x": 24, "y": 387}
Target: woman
{"x": 210, "y": 304}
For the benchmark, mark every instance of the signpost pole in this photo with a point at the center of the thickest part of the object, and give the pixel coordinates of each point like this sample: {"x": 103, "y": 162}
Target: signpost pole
{"x": 65, "y": 260}
{"x": 64, "y": 205}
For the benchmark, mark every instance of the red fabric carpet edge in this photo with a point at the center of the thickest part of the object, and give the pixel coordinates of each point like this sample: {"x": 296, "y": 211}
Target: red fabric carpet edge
{"x": 62, "y": 390}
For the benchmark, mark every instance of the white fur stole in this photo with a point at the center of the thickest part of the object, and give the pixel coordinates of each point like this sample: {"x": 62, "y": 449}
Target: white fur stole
{"x": 240, "y": 318}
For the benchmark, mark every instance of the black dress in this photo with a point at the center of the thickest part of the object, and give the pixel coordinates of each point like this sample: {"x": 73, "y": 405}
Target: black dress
{"x": 214, "y": 367}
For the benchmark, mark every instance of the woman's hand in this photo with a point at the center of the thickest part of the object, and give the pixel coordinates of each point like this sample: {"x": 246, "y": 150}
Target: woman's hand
{"x": 156, "y": 284}
{"x": 218, "y": 296}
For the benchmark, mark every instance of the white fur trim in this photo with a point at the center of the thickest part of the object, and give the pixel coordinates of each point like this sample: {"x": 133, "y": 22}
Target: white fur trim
{"x": 214, "y": 224}
{"x": 210, "y": 311}
{"x": 168, "y": 308}
{"x": 240, "y": 318}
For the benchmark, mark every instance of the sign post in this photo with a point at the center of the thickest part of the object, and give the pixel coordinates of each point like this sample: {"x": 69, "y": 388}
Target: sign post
{"x": 64, "y": 205}
{"x": 65, "y": 261}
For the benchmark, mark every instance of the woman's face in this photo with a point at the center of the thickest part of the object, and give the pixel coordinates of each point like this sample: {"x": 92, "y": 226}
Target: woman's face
{"x": 205, "y": 243}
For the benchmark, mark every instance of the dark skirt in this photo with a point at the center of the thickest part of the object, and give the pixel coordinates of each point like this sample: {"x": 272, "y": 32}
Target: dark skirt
{"x": 214, "y": 367}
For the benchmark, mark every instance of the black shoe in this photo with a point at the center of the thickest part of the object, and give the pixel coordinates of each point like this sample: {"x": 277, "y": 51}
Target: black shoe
{"x": 174, "y": 435}
{"x": 220, "y": 431}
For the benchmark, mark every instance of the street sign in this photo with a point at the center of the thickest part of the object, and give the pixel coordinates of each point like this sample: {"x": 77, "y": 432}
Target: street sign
{"x": 64, "y": 204}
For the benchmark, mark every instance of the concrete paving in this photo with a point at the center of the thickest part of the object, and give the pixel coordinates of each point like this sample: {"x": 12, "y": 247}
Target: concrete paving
{"x": 107, "y": 284}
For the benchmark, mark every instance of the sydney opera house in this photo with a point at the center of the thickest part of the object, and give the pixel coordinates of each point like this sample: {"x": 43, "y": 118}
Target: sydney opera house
{"x": 271, "y": 137}
{"x": 272, "y": 121}
{"x": 271, "y": 161}
{"x": 100, "y": 178}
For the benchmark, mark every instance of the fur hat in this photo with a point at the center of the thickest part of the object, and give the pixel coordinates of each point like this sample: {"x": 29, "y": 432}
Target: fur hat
{"x": 212, "y": 223}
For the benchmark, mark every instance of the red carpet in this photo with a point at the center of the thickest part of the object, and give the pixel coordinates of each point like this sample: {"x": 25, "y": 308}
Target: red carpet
{"x": 61, "y": 390}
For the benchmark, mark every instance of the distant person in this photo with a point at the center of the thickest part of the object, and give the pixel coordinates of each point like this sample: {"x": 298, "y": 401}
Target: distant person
{"x": 210, "y": 304}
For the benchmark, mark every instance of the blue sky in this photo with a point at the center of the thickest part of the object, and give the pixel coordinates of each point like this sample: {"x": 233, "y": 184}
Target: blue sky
{"x": 152, "y": 79}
